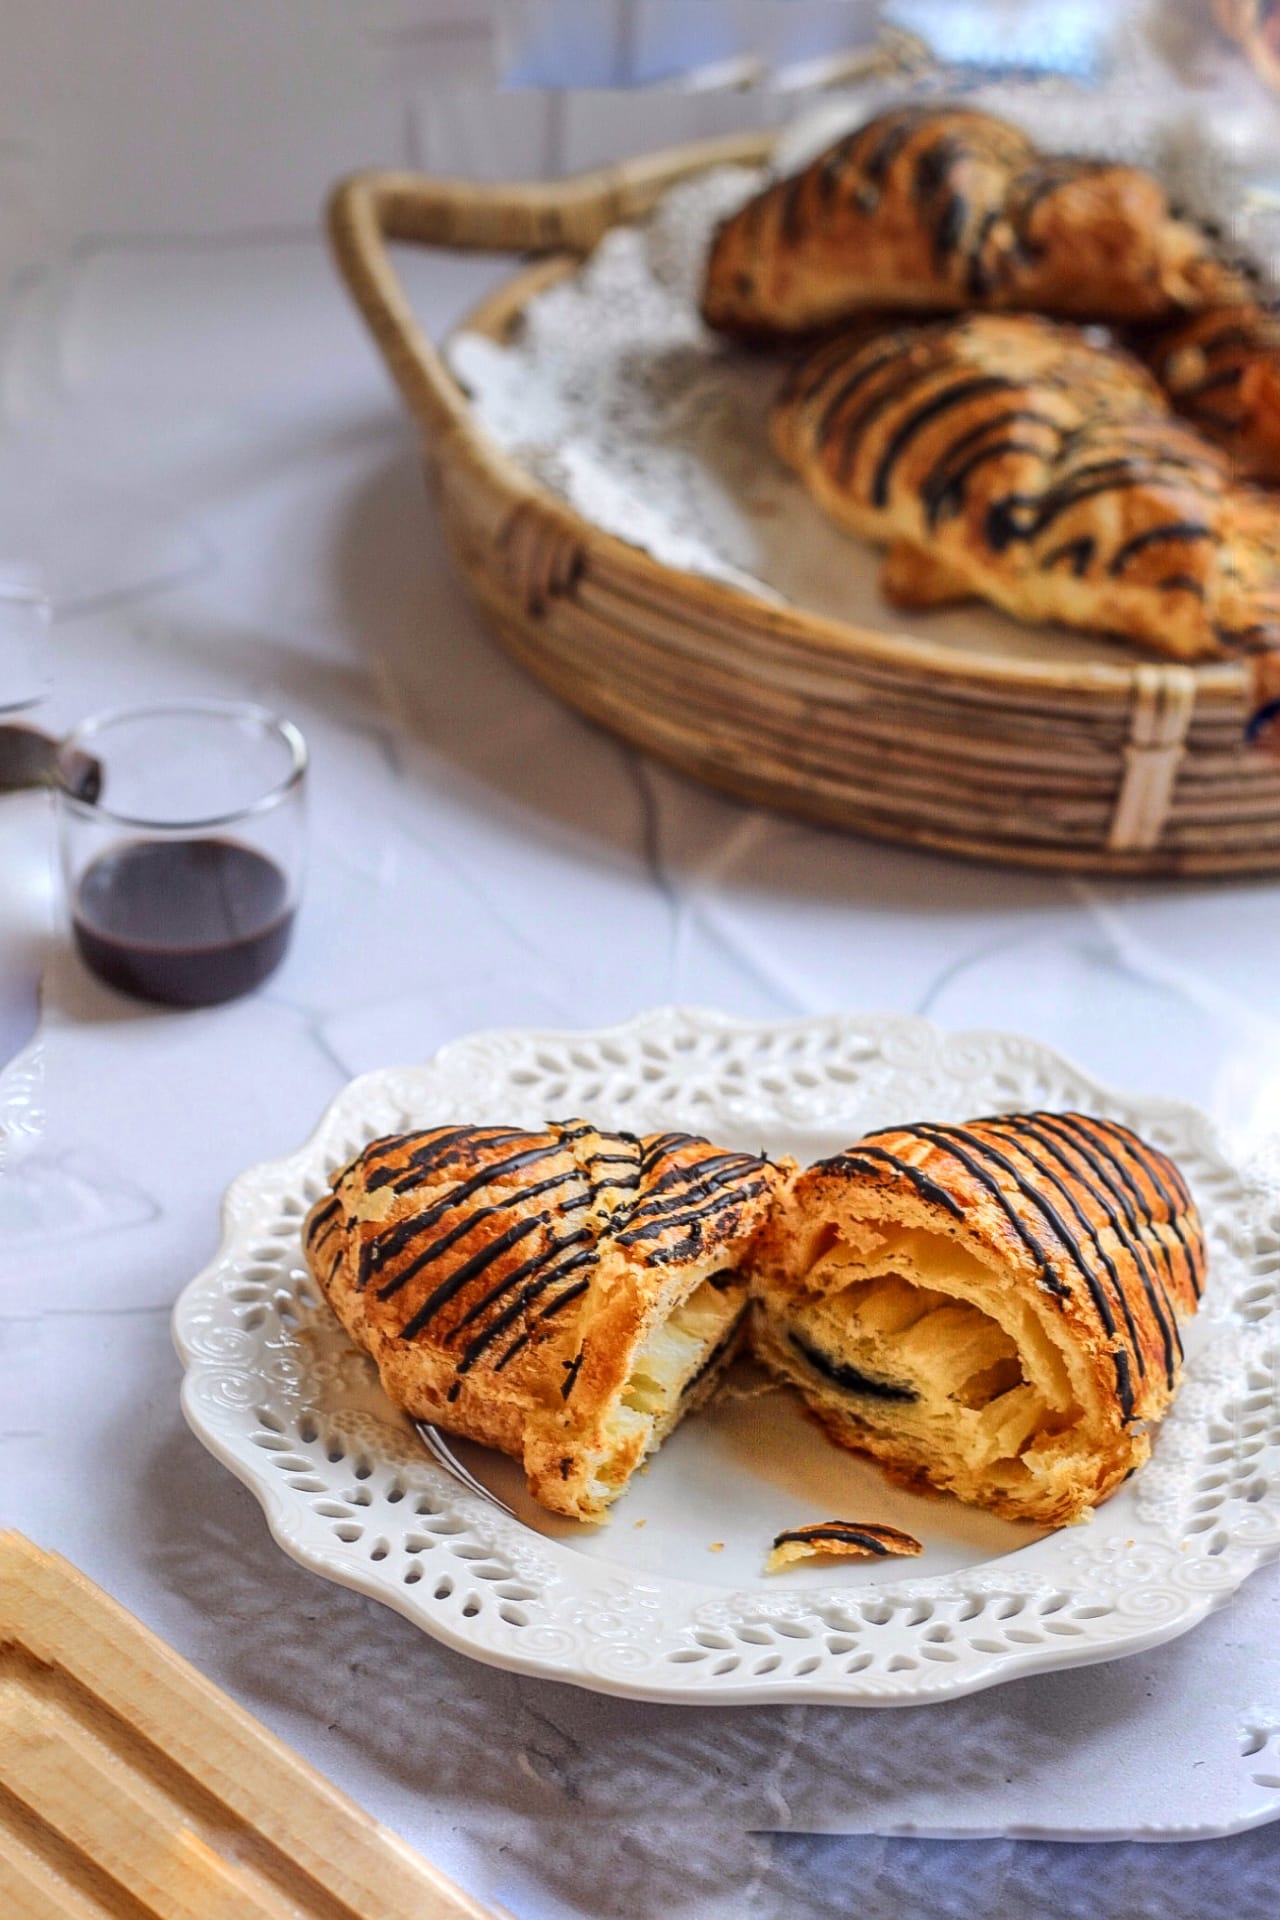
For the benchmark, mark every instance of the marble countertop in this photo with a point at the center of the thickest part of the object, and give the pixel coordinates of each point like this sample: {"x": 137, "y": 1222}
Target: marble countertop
{"x": 206, "y": 461}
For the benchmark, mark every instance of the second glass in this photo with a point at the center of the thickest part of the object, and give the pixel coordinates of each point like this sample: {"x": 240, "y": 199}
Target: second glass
{"x": 183, "y": 839}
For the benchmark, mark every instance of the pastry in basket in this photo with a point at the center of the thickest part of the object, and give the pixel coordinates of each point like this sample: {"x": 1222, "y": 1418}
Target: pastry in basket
{"x": 989, "y": 1309}
{"x": 1256, "y": 25}
{"x": 943, "y": 208}
{"x": 562, "y": 1294}
{"x": 1008, "y": 458}
{"x": 1221, "y": 369}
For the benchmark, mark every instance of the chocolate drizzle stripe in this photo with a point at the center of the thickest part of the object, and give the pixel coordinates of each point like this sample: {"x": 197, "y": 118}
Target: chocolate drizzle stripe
{"x": 947, "y": 1140}
{"x": 723, "y": 1213}
{"x": 849, "y": 1536}
{"x": 1150, "y": 1162}
{"x": 1183, "y": 531}
{"x": 1065, "y": 1234}
{"x": 868, "y": 363}
{"x": 529, "y": 1269}
{"x": 1016, "y": 1134}
{"x": 572, "y": 1371}
{"x": 1079, "y": 552}
{"x": 1215, "y": 382}
{"x": 390, "y": 1246}
{"x": 663, "y": 1144}
{"x": 468, "y": 1271}
{"x": 1082, "y": 1128}
{"x": 1027, "y": 516}
{"x": 514, "y": 1163}
{"x": 326, "y": 1212}
{"x": 562, "y": 1300}
{"x": 857, "y": 1159}
{"x": 951, "y": 497}
{"x": 689, "y": 1174}
{"x": 957, "y": 394}
{"x": 438, "y": 1147}
{"x": 940, "y": 482}
{"x": 541, "y": 1276}
{"x": 705, "y": 1182}
{"x": 1069, "y": 1242}
{"x": 1122, "y": 1221}
{"x": 853, "y": 430}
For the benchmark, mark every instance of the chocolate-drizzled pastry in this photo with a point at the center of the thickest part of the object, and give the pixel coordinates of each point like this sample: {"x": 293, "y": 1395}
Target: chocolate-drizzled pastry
{"x": 839, "y": 1540}
{"x": 991, "y": 1309}
{"x": 1221, "y": 369}
{"x": 1009, "y": 458}
{"x": 563, "y": 1294}
{"x": 944, "y": 209}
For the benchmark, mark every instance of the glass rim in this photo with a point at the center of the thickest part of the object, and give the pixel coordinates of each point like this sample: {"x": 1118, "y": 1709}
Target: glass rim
{"x": 79, "y": 741}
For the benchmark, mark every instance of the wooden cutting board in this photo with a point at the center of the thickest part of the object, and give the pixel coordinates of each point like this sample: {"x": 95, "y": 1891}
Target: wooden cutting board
{"x": 130, "y": 1787}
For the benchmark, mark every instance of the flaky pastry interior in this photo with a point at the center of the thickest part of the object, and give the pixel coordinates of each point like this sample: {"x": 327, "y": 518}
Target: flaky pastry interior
{"x": 989, "y": 1310}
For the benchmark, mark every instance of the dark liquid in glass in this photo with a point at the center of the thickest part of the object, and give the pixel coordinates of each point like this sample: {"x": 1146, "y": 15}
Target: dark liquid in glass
{"x": 185, "y": 922}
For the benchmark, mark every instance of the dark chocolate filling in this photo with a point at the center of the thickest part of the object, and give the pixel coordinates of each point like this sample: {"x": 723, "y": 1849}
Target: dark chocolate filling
{"x": 849, "y": 1378}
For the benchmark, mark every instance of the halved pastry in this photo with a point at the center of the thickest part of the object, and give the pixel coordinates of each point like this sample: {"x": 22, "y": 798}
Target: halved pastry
{"x": 990, "y": 1309}
{"x": 937, "y": 207}
{"x": 562, "y": 1294}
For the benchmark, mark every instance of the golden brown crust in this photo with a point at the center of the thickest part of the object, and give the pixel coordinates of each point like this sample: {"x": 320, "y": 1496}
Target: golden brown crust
{"x": 1010, "y": 458}
{"x": 506, "y": 1281}
{"x": 1221, "y": 369}
{"x": 1021, "y": 1282}
{"x": 943, "y": 208}
{"x": 839, "y": 1540}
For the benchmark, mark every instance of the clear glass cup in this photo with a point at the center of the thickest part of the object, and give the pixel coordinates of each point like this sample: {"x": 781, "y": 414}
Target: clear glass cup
{"x": 183, "y": 837}
{"x": 24, "y": 640}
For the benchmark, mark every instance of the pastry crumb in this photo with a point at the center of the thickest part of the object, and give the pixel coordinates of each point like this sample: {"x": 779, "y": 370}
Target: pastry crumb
{"x": 640, "y": 1523}
{"x": 839, "y": 1540}
{"x": 717, "y": 1546}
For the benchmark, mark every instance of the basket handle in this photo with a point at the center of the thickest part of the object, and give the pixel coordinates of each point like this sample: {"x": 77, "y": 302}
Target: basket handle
{"x": 370, "y": 210}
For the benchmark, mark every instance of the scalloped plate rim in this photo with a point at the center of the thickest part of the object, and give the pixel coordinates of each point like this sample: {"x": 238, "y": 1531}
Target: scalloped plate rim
{"x": 285, "y": 1516}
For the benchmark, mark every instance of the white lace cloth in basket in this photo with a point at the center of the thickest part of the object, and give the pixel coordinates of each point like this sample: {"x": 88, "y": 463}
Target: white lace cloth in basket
{"x": 615, "y": 395}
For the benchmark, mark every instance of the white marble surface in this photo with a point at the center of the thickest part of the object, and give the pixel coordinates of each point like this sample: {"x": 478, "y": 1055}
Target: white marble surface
{"x": 205, "y": 457}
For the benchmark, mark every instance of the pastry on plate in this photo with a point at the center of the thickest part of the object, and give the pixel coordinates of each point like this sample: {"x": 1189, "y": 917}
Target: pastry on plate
{"x": 563, "y": 1294}
{"x": 1009, "y": 458}
{"x": 943, "y": 208}
{"x": 1221, "y": 369}
{"x": 989, "y": 1309}
{"x": 839, "y": 1540}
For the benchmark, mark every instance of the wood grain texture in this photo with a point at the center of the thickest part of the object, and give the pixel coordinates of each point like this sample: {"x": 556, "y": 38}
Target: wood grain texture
{"x": 130, "y": 1787}
{"x": 1107, "y": 767}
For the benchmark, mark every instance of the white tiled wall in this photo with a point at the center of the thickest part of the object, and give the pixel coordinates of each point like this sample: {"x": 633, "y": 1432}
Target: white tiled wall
{"x": 127, "y": 119}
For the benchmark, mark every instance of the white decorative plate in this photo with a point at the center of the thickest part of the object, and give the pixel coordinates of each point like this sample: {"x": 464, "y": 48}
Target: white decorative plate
{"x": 668, "y": 1601}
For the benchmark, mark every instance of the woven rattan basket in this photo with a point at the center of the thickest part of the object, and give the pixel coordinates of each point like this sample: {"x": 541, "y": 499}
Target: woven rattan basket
{"x": 1109, "y": 767}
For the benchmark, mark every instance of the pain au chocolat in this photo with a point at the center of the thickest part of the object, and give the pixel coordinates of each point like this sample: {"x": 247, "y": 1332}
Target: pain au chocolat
{"x": 1009, "y": 458}
{"x": 943, "y": 208}
{"x": 563, "y": 1294}
{"x": 989, "y": 1309}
